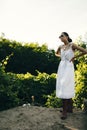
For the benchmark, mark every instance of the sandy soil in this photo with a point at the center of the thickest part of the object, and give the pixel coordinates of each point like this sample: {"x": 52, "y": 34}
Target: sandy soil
{"x": 41, "y": 118}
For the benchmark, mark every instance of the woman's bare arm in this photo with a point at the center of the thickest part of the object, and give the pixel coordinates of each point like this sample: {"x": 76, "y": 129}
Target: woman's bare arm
{"x": 58, "y": 51}
{"x": 81, "y": 49}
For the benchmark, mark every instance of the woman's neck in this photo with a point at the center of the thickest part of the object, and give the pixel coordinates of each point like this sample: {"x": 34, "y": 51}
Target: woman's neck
{"x": 66, "y": 42}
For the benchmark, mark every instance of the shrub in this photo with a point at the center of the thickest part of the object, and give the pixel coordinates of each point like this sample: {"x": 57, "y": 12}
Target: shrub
{"x": 81, "y": 83}
{"x": 53, "y": 101}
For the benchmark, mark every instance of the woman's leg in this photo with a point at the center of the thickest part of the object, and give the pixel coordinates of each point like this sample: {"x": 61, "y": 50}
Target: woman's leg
{"x": 64, "y": 113}
{"x": 70, "y": 105}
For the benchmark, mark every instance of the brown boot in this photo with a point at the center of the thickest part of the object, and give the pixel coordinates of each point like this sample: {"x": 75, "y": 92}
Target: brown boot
{"x": 64, "y": 113}
{"x": 70, "y": 106}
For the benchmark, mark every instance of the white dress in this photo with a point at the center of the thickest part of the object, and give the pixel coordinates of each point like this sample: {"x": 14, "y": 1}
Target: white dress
{"x": 65, "y": 75}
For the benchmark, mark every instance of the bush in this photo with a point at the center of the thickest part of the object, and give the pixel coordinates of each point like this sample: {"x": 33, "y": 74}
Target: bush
{"x": 17, "y": 89}
{"x": 37, "y": 86}
{"x": 53, "y": 101}
{"x": 81, "y": 84}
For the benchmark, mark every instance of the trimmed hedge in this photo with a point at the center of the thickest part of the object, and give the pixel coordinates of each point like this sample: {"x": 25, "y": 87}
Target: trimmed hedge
{"x": 17, "y": 89}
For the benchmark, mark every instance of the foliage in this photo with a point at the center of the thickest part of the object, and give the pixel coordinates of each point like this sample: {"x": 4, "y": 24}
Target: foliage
{"x": 53, "y": 101}
{"x": 8, "y": 97}
{"x": 28, "y": 57}
{"x": 17, "y": 89}
{"x": 37, "y": 86}
{"x": 81, "y": 83}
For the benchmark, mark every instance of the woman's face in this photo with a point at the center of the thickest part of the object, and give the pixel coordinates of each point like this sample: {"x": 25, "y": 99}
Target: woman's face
{"x": 63, "y": 38}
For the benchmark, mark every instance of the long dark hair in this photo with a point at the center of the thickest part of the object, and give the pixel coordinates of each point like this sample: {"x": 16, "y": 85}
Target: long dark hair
{"x": 66, "y": 34}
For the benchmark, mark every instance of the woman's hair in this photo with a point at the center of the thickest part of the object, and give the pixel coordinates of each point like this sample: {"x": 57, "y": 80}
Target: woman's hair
{"x": 66, "y": 34}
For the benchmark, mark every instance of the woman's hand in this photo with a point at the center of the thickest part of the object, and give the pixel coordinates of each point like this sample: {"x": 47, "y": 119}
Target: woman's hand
{"x": 72, "y": 59}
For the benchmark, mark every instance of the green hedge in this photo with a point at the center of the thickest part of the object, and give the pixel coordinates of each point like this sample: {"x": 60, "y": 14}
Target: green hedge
{"x": 17, "y": 89}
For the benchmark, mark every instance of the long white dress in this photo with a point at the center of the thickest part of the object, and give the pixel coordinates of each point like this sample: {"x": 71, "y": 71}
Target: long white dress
{"x": 65, "y": 75}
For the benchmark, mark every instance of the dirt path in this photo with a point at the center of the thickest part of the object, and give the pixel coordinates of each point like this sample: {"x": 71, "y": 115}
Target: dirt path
{"x": 41, "y": 118}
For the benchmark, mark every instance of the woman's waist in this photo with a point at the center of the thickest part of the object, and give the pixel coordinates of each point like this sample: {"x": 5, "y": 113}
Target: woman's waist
{"x": 66, "y": 61}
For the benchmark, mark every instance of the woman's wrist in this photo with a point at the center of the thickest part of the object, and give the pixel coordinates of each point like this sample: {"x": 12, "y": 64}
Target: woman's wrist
{"x": 74, "y": 57}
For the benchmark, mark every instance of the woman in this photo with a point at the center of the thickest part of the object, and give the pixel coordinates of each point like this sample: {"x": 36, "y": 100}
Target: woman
{"x": 65, "y": 78}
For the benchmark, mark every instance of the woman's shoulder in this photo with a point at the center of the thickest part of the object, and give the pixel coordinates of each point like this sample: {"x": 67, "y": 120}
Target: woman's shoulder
{"x": 61, "y": 46}
{"x": 73, "y": 45}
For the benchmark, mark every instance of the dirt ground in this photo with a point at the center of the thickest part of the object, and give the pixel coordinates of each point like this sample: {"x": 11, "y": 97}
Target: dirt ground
{"x": 41, "y": 118}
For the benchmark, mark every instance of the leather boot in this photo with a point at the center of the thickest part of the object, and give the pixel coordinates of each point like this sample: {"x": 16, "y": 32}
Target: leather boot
{"x": 64, "y": 113}
{"x": 70, "y": 106}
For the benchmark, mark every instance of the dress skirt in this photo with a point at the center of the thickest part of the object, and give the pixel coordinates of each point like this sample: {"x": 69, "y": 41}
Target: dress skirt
{"x": 65, "y": 80}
